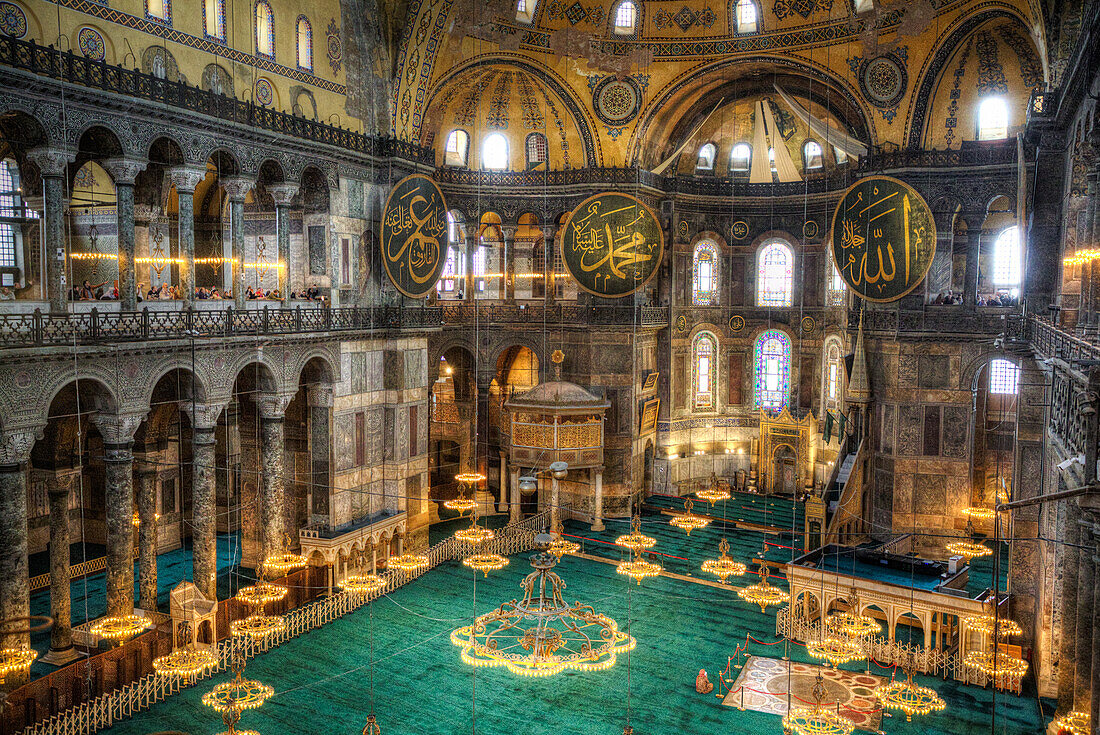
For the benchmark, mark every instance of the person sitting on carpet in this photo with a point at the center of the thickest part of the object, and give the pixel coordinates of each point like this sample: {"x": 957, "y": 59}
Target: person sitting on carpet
{"x": 702, "y": 683}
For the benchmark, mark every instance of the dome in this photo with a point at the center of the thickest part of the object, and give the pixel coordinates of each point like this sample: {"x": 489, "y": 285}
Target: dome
{"x": 556, "y": 394}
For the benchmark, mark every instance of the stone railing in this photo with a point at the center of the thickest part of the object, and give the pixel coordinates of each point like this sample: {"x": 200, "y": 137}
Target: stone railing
{"x": 942, "y": 320}
{"x": 558, "y": 313}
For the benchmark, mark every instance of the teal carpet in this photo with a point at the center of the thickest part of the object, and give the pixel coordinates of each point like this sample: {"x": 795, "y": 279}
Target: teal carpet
{"x": 322, "y": 680}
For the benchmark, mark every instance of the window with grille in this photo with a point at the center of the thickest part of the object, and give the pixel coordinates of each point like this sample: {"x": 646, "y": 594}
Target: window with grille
{"x": 746, "y": 16}
{"x": 704, "y": 353}
{"x": 706, "y": 157}
{"x": 1004, "y": 377}
{"x": 625, "y": 16}
{"x": 773, "y": 370}
{"x": 740, "y": 157}
{"x": 704, "y": 275}
{"x": 1007, "y": 258}
{"x": 992, "y": 119}
{"x": 494, "y": 152}
{"x": 305, "y": 44}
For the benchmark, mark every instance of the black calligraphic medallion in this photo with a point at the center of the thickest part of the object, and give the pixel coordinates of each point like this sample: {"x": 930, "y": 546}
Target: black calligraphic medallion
{"x": 414, "y": 235}
{"x": 613, "y": 245}
{"x": 883, "y": 238}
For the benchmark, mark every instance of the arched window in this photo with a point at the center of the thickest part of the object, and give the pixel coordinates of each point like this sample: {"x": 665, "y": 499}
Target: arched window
{"x": 480, "y": 260}
{"x": 626, "y": 15}
{"x": 159, "y": 10}
{"x": 213, "y": 19}
{"x": 746, "y": 16}
{"x": 832, "y": 375}
{"x": 704, "y": 275}
{"x": 811, "y": 154}
{"x": 536, "y": 151}
{"x": 265, "y": 30}
{"x": 1004, "y": 377}
{"x": 773, "y": 370}
{"x": 704, "y": 351}
{"x": 452, "y": 268}
{"x": 705, "y": 161}
{"x": 992, "y": 119}
{"x": 1007, "y": 260}
{"x": 836, "y": 288}
{"x": 862, "y": 6}
{"x": 454, "y": 152}
{"x": 10, "y": 206}
{"x": 305, "y": 44}
{"x": 525, "y": 10}
{"x": 774, "y": 270}
{"x": 740, "y": 157}
{"x": 494, "y": 151}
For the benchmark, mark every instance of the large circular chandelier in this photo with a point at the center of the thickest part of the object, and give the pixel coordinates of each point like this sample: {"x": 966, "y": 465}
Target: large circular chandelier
{"x": 284, "y": 562}
{"x": 475, "y": 534}
{"x": 988, "y": 624}
{"x": 763, "y": 593}
{"x": 262, "y": 593}
{"x": 560, "y": 546}
{"x": 817, "y": 719}
{"x": 688, "y": 521}
{"x": 363, "y": 584}
{"x": 541, "y": 635}
{"x": 979, "y": 513}
{"x": 237, "y": 695}
{"x": 120, "y": 627}
{"x": 258, "y": 626}
{"x": 724, "y": 566}
{"x": 712, "y": 494}
{"x": 14, "y": 659}
{"x": 1076, "y": 723}
{"x": 638, "y": 568}
{"x": 485, "y": 563}
{"x": 853, "y": 625}
{"x": 461, "y": 504}
{"x": 636, "y": 540}
{"x": 996, "y": 664}
{"x": 968, "y": 549}
{"x": 910, "y": 698}
{"x": 408, "y": 563}
{"x": 185, "y": 662}
{"x": 835, "y": 650}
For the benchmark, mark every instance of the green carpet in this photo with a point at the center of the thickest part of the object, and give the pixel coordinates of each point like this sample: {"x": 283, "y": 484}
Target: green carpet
{"x": 422, "y": 688}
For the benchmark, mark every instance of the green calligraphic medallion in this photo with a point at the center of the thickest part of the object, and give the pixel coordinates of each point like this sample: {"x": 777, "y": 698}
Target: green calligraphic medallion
{"x": 883, "y": 238}
{"x": 613, "y": 245}
{"x": 414, "y": 235}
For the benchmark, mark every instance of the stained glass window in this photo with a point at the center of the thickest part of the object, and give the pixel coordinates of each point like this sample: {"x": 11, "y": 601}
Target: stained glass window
{"x": 1007, "y": 266}
{"x": 704, "y": 275}
{"x": 773, "y": 370}
{"x": 159, "y": 10}
{"x": 704, "y": 351}
{"x": 1004, "y": 377}
{"x": 265, "y": 29}
{"x": 774, "y": 269}
{"x": 305, "y": 44}
{"x": 213, "y": 19}
{"x": 625, "y": 16}
{"x": 832, "y": 374}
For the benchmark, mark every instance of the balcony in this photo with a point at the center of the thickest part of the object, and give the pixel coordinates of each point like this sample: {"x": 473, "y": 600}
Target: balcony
{"x": 942, "y": 321}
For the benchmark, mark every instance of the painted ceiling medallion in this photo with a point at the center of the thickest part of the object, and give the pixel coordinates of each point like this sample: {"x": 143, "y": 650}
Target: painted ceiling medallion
{"x": 737, "y": 323}
{"x": 91, "y": 44}
{"x": 617, "y": 100}
{"x": 883, "y": 81}
{"x": 13, "y": 21}
{"x": 739, "y": 230}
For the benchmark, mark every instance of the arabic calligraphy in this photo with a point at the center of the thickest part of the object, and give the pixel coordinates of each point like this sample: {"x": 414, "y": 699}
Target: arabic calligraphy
{"x": 612, "y": 245}
{"x": 884, "y": 238}
{"x": 414, "y": 235}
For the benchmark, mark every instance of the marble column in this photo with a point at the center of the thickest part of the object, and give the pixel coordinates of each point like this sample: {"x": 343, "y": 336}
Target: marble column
{"x": 204, "y": 495}
{"x": 1068, "y": 645}
{"x": 15, "y": 597}
{"x": 186, "y": 179}
{"x": 503, "y": 483}
{"x": 236, "y": 189}
{"x": 468, "y": 255}
{"x": 509, "y": 266}
{"x": 1082, "y": 680}
{"x": 118, "y": 438}
{"x": 145, "y": 472}
{"x": 124, "y": 172}
{"x": 973, "y": 252}
{"x": 62, "y": 651}
{"x": 555, "y": 503}
{"x": 1088, "y": 271}
{"x": 514, "y": 511}
{"x": 597, "y": 512}
{"x": 283, "y": 194}
{"x": 53, "y": 165}
{"x": 272, "y": 407}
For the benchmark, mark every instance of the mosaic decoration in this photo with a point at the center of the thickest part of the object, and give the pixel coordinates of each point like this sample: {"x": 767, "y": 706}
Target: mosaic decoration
{"x": 784, "y": 119}
{"x": 617, "y": 100}
{"x": 991, "y": 75}
{"x": 765, "y": 685}
{"x": 467, "y": 111}
{"x": 498, "y": 103}
{"x": 739, "y": 230}
{"x": 810, "y": 229}
{"x": 682, "y": 229}
{"x": 808, "y": 325}
{"x": 785, "y": 8}
{"x": 559, "y": 123}
{"x": 335, "y": 46}
{"x": 13, "y": 21}
{"x": 883, "y": 80}
{"x": 613, "y": 244}
{"x": 414, "y": 225}
{"x": 1031, "y": 72}
{"x": 576, "y": 13}
{"x": 883, "y": 238}
{"x": 704, "y": 275}
{"x": 265, "y": 95}
{"x": 952, "y": 119}
{"x": 533, "y": 119}
{"x": 772, "y": 370}
{"x": 684, "y": 19}
{"x": 91, "y": 44}
{"x": 737, "y": 323}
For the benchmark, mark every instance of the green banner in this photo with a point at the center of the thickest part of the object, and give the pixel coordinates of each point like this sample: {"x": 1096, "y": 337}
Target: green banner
{"x": 612, "y": 245}
{"x": 883, "y": 238}
{"x": 414, "y": 235}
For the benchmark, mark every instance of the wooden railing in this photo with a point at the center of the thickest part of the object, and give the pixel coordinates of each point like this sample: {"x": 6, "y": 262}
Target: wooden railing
{"x": 850, "y": 505}
{"x": 76, "y": 571}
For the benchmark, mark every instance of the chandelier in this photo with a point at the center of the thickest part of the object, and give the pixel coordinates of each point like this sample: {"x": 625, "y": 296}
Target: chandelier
{"x": 713, "y": 493}
{"x": 835, "y": 650}
{"x": 409, "y": 563}
{"x": 235, "y": 696}
{"x": 560, "y": 547}
{"x": 979, "y": 513}
{"x": 763, "y": 593}
{"x": 362, "y": 584}
{"x": 910, "y": 698}
{"x": 988, "y": 624}
{"x": 185, "y": 662}
{"x": 541, "y": 635}
{"x": 280, "y": 564}
{"x": 724, "y": 566}
{"x": 636, "y": 540}
{"x": 14, "y": 659}
{"x": 475, "y": 534}
{"x": 817, "y": 720}
{"x": 996, "y": 664}
{"x": 261, "y": 594}
{"x": 462, "y": 505}
{"x": 688, "y": 521}
{"x": 258, "y": 626}
{"x": 120, "y": 627}
{"x": 485, "y": 563}
{"x": 639, "y": 568}
{"x": 853, "y": 625}
{"x": 1076, "y": 723}
{"x": 969, "y": 549}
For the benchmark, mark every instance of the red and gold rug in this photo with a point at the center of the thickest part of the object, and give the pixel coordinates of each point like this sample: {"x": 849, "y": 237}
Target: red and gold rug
{"x": 765, "y": 682}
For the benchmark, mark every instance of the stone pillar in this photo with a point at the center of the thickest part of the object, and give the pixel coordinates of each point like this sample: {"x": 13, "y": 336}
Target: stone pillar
{"x": 471, "y": 243}
{"x": 204, "y": 495}
{"x": 1067, "y": 649}
{"x": 272, "y": 407}
{"x": 555, "y": 503}
{"x": 124, "y": 172}
{"x": 514, "y": 511}
{"x": 146, "y": 478}
{"x": 373, "y": 558}
{"x": 118, "y": 438}
{"x": 597, "y": 512}
{"x": 503, "y": 483}
{"x": 62, "y": 651}
{"x": 973, "y": 252}
{"x": 1093, "y": 222}
{"x": 15, "y": 596}
{"x": 236, "y": 188}
{"x": 1082, "y": 680}
{"x": 320, "y": 401}
{"x": 53, "y": 165}
{"x": 508, "y": 267}
{"x": 1095, "y": 700}
{"x": 283, "y": 194}
{"x": 1088, "y": 272}
{"x": 186, "y": 179}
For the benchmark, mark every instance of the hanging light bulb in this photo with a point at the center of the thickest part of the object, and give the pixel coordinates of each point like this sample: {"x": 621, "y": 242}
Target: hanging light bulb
{"x": 485, "y": 563}
{"x": 763, "y": 593}
{"x": 185, "y": 662}
{"x": 639, "y": 569}
{"x": 636, "y": 540}
{"x": 688, "y": 521}
{"x": 724, "y": 566}
{"x": 910, "y": 698}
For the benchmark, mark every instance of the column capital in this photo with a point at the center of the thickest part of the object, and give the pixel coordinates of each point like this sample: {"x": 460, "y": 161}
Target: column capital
{"x": 51, "y": 161}
{"x": 118, "y": 429}
{"x": 283, "y": 194}
{"x": 319, "y": 396}
{"x": 124, "y": 169}
{"x": 15, "y": 446}
{"x": 272, "y": 406}
{"x": 237, "y": 187}
{"x": 203, "y": 416}
{"x": 186, "y": 177}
